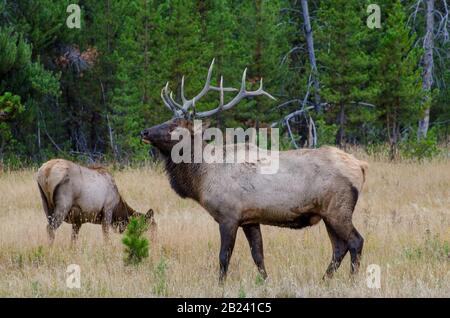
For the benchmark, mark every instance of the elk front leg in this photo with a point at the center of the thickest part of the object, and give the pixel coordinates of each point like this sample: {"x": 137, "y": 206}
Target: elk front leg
{"x": 254, "y": 237}
{"x": 55, "y": 222}
{"x": 75, "y": 230}
{"x": 227, "y": 239}
{"x": 106, "y": 223}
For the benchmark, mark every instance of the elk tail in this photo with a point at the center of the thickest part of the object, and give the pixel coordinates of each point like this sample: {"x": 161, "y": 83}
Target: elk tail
{"x": 49, "y": 179}
{"x": 48, "y": 208}
{"x": 364, "y": 167}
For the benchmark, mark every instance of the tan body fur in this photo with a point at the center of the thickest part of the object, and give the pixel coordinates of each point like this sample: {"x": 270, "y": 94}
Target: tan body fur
{"x": 310, "y": 185}
{"x": 306, "y": 182}
{"x": 77, "y": 195}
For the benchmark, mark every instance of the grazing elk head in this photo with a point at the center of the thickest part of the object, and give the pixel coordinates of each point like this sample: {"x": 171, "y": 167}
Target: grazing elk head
{"x": 185, "y": 113}
{"x": 119, "y": 224}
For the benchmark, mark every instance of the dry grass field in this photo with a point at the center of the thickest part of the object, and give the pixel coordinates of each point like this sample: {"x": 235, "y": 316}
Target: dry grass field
{"x": 403, "y": 214}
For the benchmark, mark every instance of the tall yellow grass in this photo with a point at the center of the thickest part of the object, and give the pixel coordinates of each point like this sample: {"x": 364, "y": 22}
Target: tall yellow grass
{"x": 403, "y": 214}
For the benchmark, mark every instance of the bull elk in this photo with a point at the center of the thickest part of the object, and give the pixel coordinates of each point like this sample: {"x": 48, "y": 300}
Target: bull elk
{"x": 78, "y": 195}
{"x": 310, "y": 185}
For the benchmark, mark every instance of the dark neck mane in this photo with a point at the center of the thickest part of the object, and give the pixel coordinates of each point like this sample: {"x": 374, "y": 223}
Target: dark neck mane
{"x": 185, "y": 178}
{"x": 122, "y": 211}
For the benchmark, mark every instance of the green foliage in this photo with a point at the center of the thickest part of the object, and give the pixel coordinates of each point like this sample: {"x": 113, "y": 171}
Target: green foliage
{"x": 18, "y": 261}
{"x": 24, "y": 84}
{"x": 242, "y": 293}
{"x": 37, "y": 255}
{"x": 326, "y": 132}
{"x": 398, "y": 75}
{"x": 423, "y": 148}
{"x": 14, "y": 51}
{"x": 129, "y": 49}
{"x": 160, "y": 287}
{"x": 42, "y": 81}
{"x": 35, "y": 288}
{"x": 136, "y": 246}
{"x": 344, "y": 61}
{"x": 43, "y": 22}
{"x": 259, "y": 280}
{"x": 430, "y": 247}
{"x": 10, "y": 105}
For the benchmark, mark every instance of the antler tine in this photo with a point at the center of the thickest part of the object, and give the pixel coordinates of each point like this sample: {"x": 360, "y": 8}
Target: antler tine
{"x": 244, "y": 77}
{"x": 172, "y": 100}
{"x": 193, "y": 108}
{"x": 169, "y": 101}
{"x": 262, "y": 91}
{"x": 221, "y": 93}
{"x": 167, "y": 98}
{"x": 225, "y": 89}
{"x": 205, "y": 89}
{"x": 164, "y": 99}
{"x": 183, "y": 98}
{"x": 243, "y": 93}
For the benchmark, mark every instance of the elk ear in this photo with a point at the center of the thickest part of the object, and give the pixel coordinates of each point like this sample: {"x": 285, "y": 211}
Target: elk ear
{"x": 149, "y": 214}
{"x": 198, "y": 126}
{"x": 206, "y": 123}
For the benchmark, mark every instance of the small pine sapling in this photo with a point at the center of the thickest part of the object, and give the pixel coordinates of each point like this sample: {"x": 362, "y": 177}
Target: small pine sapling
{"x": 136, "y": 246}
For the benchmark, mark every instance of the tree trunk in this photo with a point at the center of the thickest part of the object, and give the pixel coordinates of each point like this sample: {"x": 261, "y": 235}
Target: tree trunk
{"x": 428, "y": 45}
{"x": 341, "y": 122}
{"x": 311, "y": 53}
{"x": 394, "y": 139}
{"x": 38, "y": 136}
{"x": 145, "y": 97}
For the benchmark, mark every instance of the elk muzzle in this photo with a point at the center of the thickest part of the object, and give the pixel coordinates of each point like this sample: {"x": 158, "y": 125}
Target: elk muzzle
{"x": 153, "y": 134}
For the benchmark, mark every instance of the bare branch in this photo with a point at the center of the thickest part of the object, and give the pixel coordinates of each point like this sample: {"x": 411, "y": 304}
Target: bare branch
{"x": 416, "y": 8}
{"x": 288, "y": 103}
{"x": 363, "y": 104}
{"x": 294, "y": 143}
{"x": 283, "y": 60}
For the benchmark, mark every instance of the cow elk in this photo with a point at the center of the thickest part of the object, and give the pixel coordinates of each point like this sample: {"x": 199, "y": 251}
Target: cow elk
{"x": 310, "y": 185}
{"x": 77, "y": 195}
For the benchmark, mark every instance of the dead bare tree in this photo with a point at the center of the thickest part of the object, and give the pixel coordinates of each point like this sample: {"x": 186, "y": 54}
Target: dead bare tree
{"x": 311, "y": 53}
{"x": 301, "y": 116}
{"x": 433, "y": 32}
{"x": 428, "y": 45}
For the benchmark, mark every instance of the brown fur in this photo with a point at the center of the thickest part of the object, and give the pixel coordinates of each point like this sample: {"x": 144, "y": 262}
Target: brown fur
{"x": 77, "y": 195}
{"x": 310, "y": 185}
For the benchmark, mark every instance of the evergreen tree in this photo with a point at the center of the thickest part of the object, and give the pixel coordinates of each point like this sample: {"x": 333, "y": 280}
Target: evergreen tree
{"x": 263, "y": 44}
{"x": 398, "y": 76}
{"x": 136, "y": 246}
{"x": 135, "y": 102}
{"x": 220, "y": 32}
{"x": 20, "y": 76}
{"x": 343, "y": 61}
{"x": 87, "y": 93}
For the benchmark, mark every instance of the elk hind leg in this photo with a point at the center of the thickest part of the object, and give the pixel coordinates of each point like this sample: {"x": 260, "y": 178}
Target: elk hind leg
{"x": 355, "y": 246}
{"x": 63, "y": 204}
{"x": 339, "y": 247}
{"x": 56, "y": 219}
{"x": 254, "y": 237}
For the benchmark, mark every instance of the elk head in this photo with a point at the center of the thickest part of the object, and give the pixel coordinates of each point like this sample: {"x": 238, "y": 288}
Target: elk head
{"x": 185, "y": 113}
{"x": 120, "y": 224}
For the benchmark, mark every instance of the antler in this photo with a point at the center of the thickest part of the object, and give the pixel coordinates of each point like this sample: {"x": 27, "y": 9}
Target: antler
{"x": 182, "y": 110}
